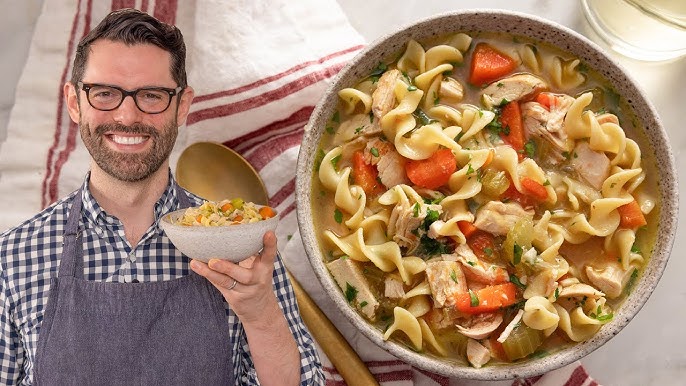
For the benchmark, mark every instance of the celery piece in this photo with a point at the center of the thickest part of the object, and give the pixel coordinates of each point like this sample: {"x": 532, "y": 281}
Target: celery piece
{"x": 237, "y": 203}
{"x": 494, "y": 183}
{"x": 518, "y": 240}
{"x": 522, "y": 341}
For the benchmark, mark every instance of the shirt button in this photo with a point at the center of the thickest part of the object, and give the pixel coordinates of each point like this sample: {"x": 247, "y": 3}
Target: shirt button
{"x": 132, "y": 258}
{"x": 134, "y": 281}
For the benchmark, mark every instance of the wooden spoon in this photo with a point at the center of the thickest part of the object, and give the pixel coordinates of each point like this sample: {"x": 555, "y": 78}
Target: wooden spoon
{"x": 216, "y": 172}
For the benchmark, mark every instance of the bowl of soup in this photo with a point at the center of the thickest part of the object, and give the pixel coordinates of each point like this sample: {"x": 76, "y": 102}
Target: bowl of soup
{"x": 486, "y": 195}
{"x": 230, "y": 229}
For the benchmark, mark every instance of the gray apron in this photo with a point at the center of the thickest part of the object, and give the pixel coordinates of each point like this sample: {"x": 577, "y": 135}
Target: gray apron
{"x": 171, "y": 332}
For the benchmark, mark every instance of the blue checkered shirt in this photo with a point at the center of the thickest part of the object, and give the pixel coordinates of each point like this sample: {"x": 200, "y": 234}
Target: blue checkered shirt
{"x": 30, "y": 256}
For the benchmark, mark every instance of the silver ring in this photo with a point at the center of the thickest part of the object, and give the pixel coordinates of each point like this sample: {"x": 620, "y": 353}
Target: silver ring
{"x": 232, "y": 285}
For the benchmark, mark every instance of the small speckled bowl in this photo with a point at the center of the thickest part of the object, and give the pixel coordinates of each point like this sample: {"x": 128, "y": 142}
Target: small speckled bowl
{"x": 538, "y": 29}
{"x": 232, "y": 242}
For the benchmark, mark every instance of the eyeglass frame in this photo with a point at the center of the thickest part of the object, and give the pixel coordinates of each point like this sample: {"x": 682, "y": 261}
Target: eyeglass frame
{"x": 86, "y": 87}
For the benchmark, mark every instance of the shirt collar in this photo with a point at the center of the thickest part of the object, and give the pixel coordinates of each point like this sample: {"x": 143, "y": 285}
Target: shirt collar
{"x": 168, "y": 202}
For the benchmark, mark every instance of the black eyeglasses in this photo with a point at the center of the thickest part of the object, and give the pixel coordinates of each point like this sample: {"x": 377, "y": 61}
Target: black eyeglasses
{"x": 150, "y": 100}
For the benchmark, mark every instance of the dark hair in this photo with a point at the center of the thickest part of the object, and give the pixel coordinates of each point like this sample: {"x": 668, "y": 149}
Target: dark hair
{"x": 131, "y": 26}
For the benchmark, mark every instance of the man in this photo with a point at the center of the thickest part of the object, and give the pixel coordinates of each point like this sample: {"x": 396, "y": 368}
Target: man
{"x": 93, "y": 292}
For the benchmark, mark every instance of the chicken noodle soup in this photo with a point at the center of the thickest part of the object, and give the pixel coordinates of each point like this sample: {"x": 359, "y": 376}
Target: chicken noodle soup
{"x": 484, "y": 198}
{"x": 225, "y": 212}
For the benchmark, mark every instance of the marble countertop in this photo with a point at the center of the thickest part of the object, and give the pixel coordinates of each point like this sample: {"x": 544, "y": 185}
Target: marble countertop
{"x": 651, "y": 349}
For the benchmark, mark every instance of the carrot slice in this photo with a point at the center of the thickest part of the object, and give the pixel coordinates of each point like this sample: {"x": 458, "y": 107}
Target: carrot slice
{"x": 482, "y": 244}
{"x": 434, "y": 171}
{"x": 512, "y": 194}
{"x": 487, "y": 299}
{"x": 489, "y": 64}
{"x": 466, "y": 228}
{"x": 513, "y": 129}
{"x": 267, "y": 212}
{"x": 545, "y": 99}
{"x": 630, "y": 216}
{"x": 227, "y": 207}
{"x": 534, "y": 189}
{"x": 366, "y": 175}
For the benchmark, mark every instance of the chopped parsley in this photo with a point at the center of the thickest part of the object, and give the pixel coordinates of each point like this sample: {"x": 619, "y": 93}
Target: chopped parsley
{"x": 517, "y": 250}
{"x": 336, "y": 117}
{"x": 330, "y": 129}
{"x": 374, "y": 151}
{"x": 635, "y": 249}
{"x": 364, "y": 303}
{"x": 378, "y": 71}
{"x": 334, "y": 161}
{"x": 488, "y": 251}
{"x": 470, "y": 170}
{"x": 515, "y": 280}
{"x": 359, "y": 130}
{"x": 411, "y": 88}
{"x": 422, "y": 117}
{"x": 453, "y": 276}
{"x": 546, "y": 183}
{"x": 338, "y": 216}
{"x": 415, "y": 210}
{"x": 473, "y": 299}
{"x": 350, "y": 292}
{"x": 530, "y": 148}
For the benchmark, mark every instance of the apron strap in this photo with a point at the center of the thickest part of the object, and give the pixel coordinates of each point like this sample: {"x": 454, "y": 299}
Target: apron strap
{"x": 72, "y": 251}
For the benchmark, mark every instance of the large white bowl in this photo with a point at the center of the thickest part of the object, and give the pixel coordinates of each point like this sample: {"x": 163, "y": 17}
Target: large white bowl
{"x": 538, "y": 29}
{"x": 232, "y": 242}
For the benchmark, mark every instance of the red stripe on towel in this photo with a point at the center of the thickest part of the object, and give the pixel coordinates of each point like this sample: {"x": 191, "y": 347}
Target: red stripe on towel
{"x": 265, "y": 98}
{"x": 272, "y": 78}
{"x": 49, "y": 185}
{"x": 441, "y": 380}
{"x": 578, "y": 377}
{"x": 165, "y": 10}
{"x": 119, "y": 4}
{"x": 283, "y": 193}
{"x": 246, "y": 142}
{"x": 268, "y": 150}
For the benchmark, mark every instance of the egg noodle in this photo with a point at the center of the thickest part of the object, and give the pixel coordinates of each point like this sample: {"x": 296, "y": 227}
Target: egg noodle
{"x": 225, "y": 212}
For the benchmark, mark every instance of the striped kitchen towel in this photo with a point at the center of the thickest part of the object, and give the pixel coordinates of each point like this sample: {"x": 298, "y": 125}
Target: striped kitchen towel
{"x": 258, "y": 68}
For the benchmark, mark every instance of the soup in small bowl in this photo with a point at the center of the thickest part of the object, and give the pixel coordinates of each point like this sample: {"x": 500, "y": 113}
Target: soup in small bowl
{"x": 486, "y": 195}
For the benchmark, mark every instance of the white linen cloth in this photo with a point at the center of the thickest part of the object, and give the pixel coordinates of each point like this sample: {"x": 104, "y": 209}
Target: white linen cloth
{"x": 258, "y": 68}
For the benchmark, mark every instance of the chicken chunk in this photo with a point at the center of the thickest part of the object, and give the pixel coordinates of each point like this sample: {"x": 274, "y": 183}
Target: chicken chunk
{"x": 593, "y": 166}
{"x": 480, "y": 271}
{"x": 446, "y": 280}
{"x": 451, "y": 90}
{"x": 611, "y": 279}
{"x": 348, "y": 275}
{"x": 477, "y": 354}
{"x": 383, "y": 97}
{"x": 512, "y": 88}
{"x": 393, "y": 288}
{"x": 547, "y": 123}
{"x": 480, "y": 326}
{"x": 498, "y": 218}
{"x": 389, "y": 163}
{"x": 404, "y": 221}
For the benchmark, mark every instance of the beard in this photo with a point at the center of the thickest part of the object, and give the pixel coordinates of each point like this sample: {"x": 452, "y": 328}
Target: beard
{"x": 130, "y": 167}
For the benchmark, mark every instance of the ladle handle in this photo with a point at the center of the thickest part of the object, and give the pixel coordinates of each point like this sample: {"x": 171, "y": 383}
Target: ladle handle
{"x": 334, "y": 345}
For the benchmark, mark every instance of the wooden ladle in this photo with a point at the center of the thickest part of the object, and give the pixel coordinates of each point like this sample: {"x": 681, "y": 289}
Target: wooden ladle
{"x": 216, "y": 172}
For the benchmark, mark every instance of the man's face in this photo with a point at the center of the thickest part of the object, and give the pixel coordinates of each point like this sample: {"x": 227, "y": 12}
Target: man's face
{"x": 127, "y": 143}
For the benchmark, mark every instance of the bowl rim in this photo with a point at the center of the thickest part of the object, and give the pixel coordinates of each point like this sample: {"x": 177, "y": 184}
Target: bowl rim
{"x": 623, "y": 83}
